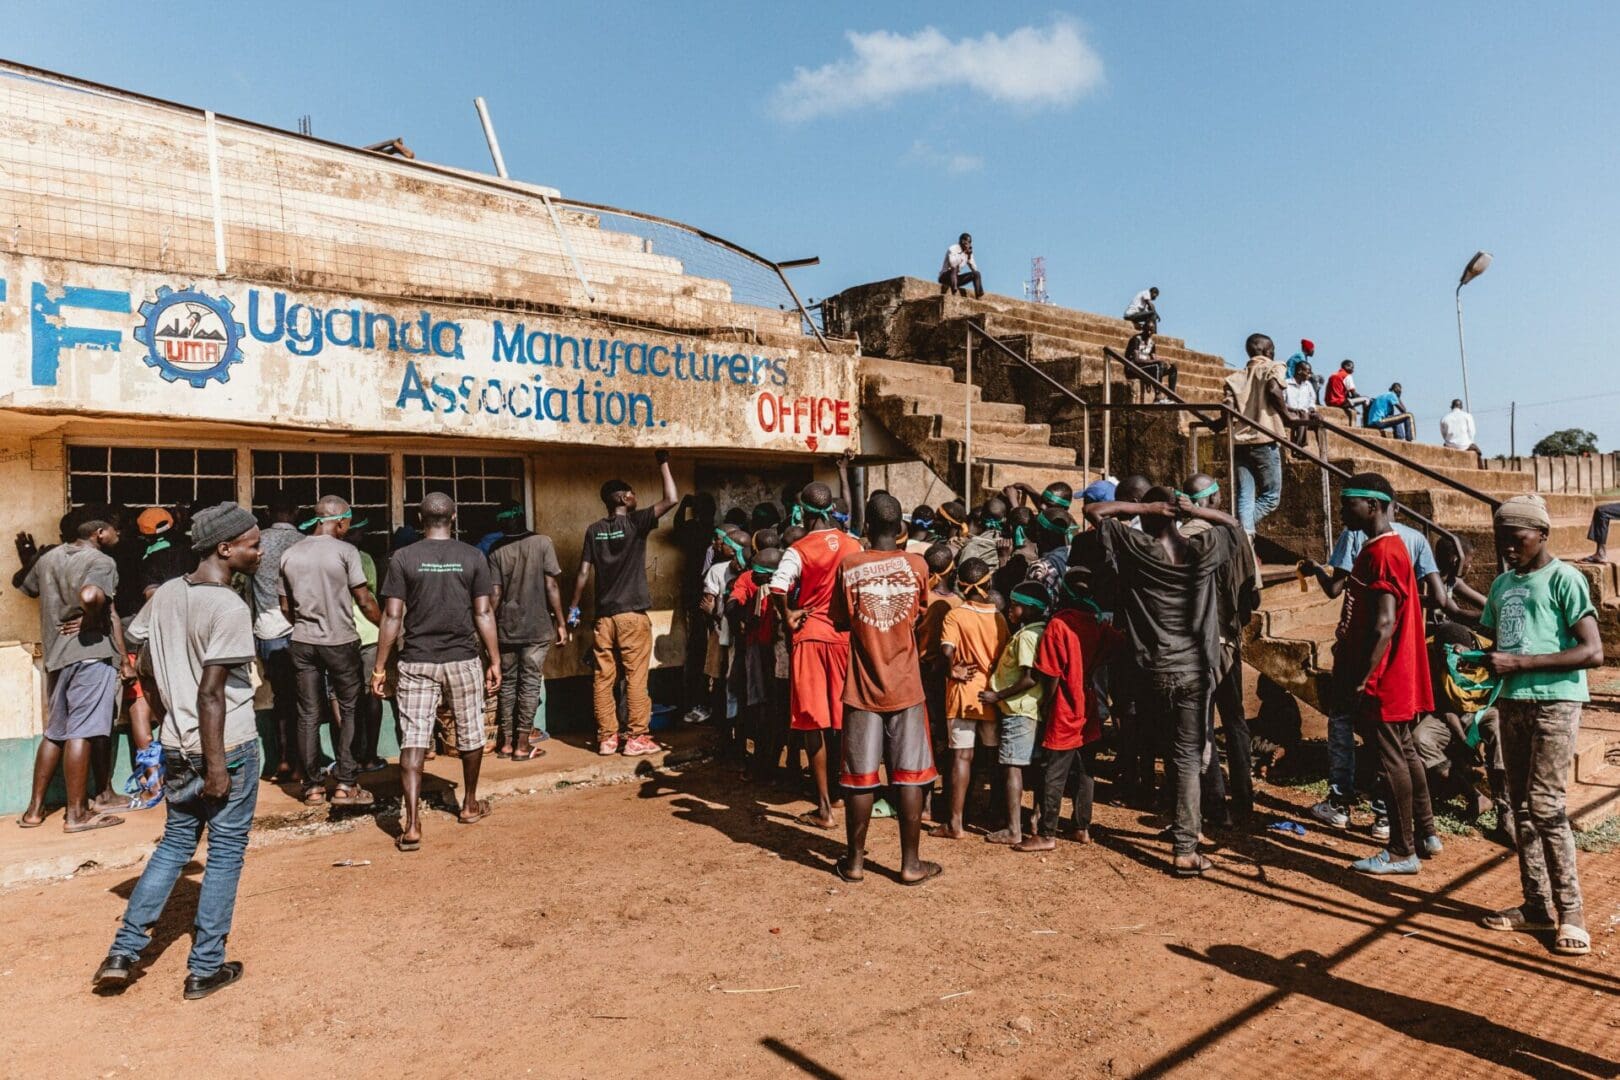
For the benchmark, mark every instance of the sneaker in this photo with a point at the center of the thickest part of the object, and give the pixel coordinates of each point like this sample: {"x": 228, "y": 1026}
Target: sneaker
{"x": 697, "y": 714}
{"x": 1385, "y": 863}
{"x": 1430, "y": 846}
{"x": 1380, "y": 829}
{"x": 640, "y": 746}
{"x": 1329, "y": 814}
{"x": 609, "y": 745}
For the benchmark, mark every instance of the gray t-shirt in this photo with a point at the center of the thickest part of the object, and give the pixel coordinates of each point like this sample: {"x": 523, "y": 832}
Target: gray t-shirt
{"x": 56, "y": 579}
{"x": 273, "y": 543}
{"x": 316, "y": 575}
{"x": 520, "y": 569}
{"x": 187, "y": 627}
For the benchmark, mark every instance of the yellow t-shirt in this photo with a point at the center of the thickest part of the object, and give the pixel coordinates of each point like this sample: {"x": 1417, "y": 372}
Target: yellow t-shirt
{"x": 1016, "y": 659}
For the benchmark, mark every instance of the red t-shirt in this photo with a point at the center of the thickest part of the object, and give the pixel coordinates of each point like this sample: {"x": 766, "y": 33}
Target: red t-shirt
{"x": 744, "y": 591}
{"x": 1335, "y": 394}
{"x": 1074, "y": 646}
{"x": 811, "y": 566}
{"x": 879, "y": 599}
{"x": 1399, "y": 685}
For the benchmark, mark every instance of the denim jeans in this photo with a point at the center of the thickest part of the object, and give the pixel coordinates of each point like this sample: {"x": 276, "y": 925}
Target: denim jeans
{"x": 523, "y": 683}
{"x": 276, "y": 655}
{"x": 1341, "y": 759}
{"x": 227, "y": 822}
{"x": 1259, "y": 480}
{"x": 1176, "y": 704}
{"x": 317, "y": 667}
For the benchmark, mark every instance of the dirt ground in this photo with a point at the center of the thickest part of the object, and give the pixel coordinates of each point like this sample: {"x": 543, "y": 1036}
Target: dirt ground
{"x": 685, "y": 926}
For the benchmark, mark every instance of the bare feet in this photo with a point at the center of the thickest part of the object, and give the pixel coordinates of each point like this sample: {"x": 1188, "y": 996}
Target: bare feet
{"x": 1035, "y": 843}
{"x": 947, "y": 832}
{"x": 1004, "y": 836}
{"x": 922, "y": 872}
{"x": 815, "y": 819}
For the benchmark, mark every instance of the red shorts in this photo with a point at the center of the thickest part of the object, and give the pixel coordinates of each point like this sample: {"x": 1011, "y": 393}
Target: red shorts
{"x": 819, "y": 669}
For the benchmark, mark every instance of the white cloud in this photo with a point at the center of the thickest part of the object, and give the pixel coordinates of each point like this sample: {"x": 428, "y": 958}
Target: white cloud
{"x": 951, "y": 161}
{"x": 1032, "y": 66}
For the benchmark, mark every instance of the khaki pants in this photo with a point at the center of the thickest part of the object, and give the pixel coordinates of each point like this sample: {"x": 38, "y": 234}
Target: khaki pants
{"x": 622, "y": 645}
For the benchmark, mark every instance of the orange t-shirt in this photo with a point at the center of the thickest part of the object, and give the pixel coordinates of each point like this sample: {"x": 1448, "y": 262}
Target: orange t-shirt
{"x": 878, "y": 598}
{"x": 933, "y": 621}
{"x": 977, "y": 635}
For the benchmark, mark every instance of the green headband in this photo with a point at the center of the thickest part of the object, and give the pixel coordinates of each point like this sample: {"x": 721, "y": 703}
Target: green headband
{"x": 720, "y": 534}
{"x": 509, "y": 513}
{"x": 1365, "y": 493}
{"x": 1018, "y": 536}
{"x": 362, "y": 523}
{"x": 1214, "y": 486}
{"x": 758, "y": 569}
{"x": 814, "y": 511}
{"x": 1028, "y": 600}
{"x": 314, "y": 521}
{"x": 1056, "y": 499}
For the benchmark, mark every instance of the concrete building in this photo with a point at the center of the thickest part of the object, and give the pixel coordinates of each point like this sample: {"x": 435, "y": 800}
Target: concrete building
{"x": 194, "y": 308}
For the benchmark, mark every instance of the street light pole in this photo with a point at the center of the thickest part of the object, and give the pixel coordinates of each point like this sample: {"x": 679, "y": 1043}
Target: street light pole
{"x": 1476, "y": 266}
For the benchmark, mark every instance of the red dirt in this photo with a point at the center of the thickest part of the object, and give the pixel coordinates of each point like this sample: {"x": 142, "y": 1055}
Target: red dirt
{"x": 596, "y": 933}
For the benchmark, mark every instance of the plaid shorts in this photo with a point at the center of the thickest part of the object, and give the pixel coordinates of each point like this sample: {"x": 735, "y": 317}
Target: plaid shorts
{"x": 422, "y": 686}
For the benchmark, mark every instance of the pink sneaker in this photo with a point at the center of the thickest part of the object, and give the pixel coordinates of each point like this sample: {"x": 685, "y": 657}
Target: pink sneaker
{"x": 609, "y": 745}
{"x": 640, "y": 746}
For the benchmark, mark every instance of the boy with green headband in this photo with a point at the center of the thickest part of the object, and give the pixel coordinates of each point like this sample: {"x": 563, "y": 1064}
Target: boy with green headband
{"x": 730, "y": 559}
{"x": 1546, "y": 637}
{"x": 1016, "y": 694}
{"x": 985, "y": 529}
{"x": 764, "y": 696}
{"x": 1381, "y": 670}
{"x": 972, "y": 637}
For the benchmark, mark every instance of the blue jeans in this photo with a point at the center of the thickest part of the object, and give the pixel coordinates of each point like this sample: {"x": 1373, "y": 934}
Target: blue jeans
{"x": 1341, "y": 759}
{"x": 1259, "y": 480}
{"x": 228, "y": 823}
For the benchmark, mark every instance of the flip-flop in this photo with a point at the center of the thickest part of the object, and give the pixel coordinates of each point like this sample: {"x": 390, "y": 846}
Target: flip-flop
{"x": 838, "y": 868}
{"x": 530, "y": 754}
{"x": 94, "y": 821}
{"x": 1567, "y": 932}
{"x": 929, "y": 876}
{"x": 809, "y": 818}
{"x": 23, "y": 823}
{"x": 403, "y": 844}
{"x": 1513, "y": 920}
{"x": 485, "y": 808}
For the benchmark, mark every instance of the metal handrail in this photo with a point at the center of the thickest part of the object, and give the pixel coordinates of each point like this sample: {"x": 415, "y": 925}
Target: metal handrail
{"x": 1225, "y": 411}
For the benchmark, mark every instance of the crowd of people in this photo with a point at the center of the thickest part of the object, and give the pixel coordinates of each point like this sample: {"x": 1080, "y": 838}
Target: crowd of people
{"x": 871, "y": 655}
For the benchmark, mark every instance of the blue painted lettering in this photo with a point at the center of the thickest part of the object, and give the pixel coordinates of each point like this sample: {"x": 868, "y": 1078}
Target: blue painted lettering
{"x": 51, "y": 336}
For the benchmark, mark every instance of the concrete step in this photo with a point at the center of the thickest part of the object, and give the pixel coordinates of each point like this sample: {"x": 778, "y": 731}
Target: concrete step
{"x": 952, "y": 427}
{"x": 1401, "y": 478}
{"x": 949, "y": 394}
{"x": 1445, "y": 504}
{"x": 1419, "y": 450}
{"x": 1593, "y": 799}
{"x": 991, "y": 411}
{"x": 1050, "y": 319}
{"x": 880, "y": 367}
{"x": 992, "y": 476}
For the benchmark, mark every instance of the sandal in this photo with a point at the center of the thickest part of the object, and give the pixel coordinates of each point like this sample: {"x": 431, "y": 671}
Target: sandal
{"x": 94, "y": 821}
{"x": 24, "y": 823}
{"x": 352, "y": 795}
{"x": 1514, "y": 919}
{"x": 528, "y": 755}
{"x": 314, "y": 796}
{"x": 403, "y": 844}
{"x": 484, "y": 808}
{"x": 844, "y": 875}
{"x": 932, "y": 870}
{"x": 1572, "y": 940}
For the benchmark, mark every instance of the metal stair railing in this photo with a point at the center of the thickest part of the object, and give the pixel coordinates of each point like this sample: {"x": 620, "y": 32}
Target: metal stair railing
{"x": 1219, "y": 415}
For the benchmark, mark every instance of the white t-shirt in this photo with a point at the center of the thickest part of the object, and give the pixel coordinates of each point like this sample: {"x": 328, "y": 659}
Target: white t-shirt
{"x": 957, "y": 259}
{"x": 1300, "y": 396}
{"x": 1140, "y": 304}
{"x": 717, "y": 583}
{"x": 1457, "y": 429}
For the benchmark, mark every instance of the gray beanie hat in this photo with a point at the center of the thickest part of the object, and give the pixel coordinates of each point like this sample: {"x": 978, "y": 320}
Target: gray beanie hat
{"x": 218, "y": 524}
{"x": 1524, "y": 512}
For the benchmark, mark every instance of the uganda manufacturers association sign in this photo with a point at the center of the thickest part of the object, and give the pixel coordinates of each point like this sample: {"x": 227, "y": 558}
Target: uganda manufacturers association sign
{"x": 81, "y": 338}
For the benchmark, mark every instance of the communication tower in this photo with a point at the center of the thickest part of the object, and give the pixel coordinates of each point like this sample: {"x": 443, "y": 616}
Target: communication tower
{"x": 1035, "y": 287}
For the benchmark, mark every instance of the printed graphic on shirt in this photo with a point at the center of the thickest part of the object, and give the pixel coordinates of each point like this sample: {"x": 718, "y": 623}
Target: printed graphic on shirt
{"x": 1511, "y": 618}
{"x": 439, "y": 568}
{"x": 885, "y": 591}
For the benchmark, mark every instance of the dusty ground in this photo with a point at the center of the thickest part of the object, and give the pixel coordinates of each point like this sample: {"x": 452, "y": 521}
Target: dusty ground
{"x": 606, "y": 932}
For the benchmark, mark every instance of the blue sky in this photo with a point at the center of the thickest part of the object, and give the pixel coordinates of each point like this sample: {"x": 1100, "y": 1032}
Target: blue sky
{"x": 1299, "y": 169}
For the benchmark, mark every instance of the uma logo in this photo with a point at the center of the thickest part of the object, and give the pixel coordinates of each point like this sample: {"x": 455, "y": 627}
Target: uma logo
{"x": 190, "y": 335}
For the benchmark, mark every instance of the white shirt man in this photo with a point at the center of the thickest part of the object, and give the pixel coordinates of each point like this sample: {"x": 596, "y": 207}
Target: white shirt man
{"x": 1457, "y": 428}
{"x": 1301, "y": 394}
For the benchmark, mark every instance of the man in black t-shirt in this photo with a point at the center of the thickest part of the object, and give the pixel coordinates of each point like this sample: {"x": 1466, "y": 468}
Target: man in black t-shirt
{"x": 622, "y": 640}
{"x": 439, "y": 591}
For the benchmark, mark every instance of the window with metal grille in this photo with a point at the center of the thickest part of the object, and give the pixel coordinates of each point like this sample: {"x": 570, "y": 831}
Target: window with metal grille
{"x": 478, "y": 484}
{"x": 306, "y": 475}
{"x": 142, "y": 476}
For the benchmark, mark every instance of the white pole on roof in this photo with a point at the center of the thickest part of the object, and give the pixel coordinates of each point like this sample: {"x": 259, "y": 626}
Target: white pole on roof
{"x": 556, "y": 222}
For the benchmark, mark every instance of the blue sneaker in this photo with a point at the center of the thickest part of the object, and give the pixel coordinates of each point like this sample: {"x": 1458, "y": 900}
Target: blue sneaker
{"x": 1385, "y": 863}
{"x": 1430, "y": 846}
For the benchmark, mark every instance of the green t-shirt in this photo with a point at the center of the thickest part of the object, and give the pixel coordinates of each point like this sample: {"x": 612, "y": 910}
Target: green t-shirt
{"x": 362, "y": 625}
{"x": 1016, "y": 659}
{"x": 1536, "y": 613}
